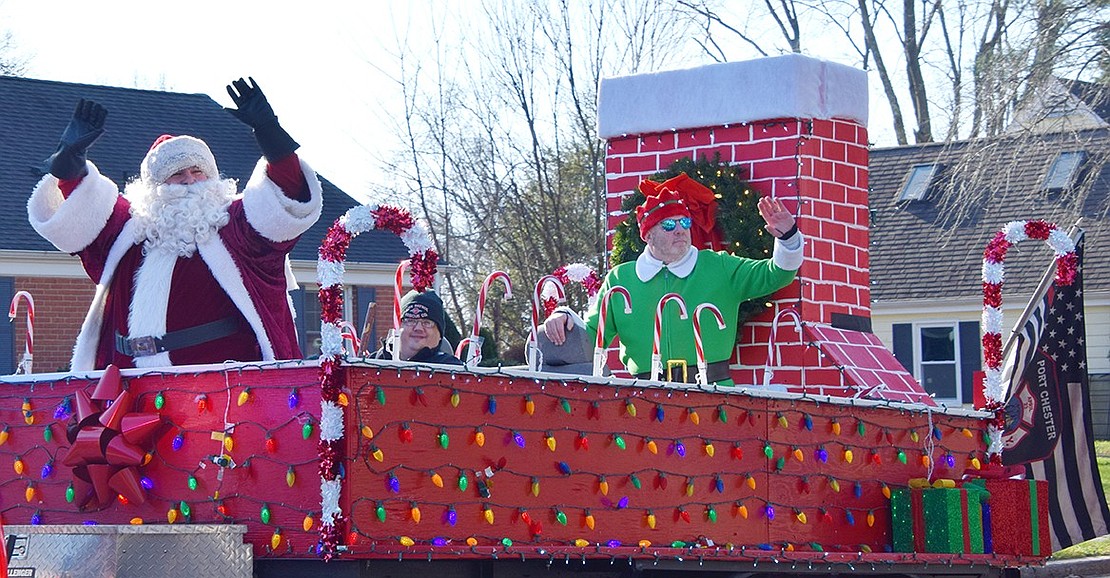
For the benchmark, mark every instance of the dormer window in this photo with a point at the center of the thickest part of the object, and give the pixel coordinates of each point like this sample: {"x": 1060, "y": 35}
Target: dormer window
{"x": 917, "y": 183}
{"x": 1061, "y": 175}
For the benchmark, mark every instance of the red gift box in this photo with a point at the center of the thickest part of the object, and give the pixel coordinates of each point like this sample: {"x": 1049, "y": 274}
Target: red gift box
{"x": 1019, "y": 517}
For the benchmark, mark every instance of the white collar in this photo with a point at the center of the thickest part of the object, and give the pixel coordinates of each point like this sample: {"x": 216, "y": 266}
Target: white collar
{"x": 648, "y": 266}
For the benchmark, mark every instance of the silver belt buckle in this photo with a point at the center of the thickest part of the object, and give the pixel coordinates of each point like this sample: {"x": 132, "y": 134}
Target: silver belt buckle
{"x": 143, "y": 346}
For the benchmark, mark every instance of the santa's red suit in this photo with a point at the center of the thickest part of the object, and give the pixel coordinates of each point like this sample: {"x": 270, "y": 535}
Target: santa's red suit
{"x": 227, "y": 301}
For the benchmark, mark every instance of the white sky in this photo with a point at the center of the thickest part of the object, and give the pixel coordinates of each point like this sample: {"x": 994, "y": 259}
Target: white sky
{"x": 316, "y": 61}
{"x": 312, "y": 59}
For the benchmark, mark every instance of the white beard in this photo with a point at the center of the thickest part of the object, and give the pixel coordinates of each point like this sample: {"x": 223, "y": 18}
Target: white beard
{"x": 174, "y": 218}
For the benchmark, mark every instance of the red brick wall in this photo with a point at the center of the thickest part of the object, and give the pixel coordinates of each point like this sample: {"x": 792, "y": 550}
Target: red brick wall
{"x": 820, "y": 165}
{"x": 60, "y": 306}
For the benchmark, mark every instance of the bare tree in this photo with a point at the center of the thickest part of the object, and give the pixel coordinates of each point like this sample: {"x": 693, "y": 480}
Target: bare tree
{"x": 502, "y": 153}
{"x": 784, "y": 13}
{"x": 11, "y": 62}
{"x": 984, "y": 57}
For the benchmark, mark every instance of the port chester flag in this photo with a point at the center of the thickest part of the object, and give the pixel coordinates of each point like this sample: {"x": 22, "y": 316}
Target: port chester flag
{"x": 1048, "y": 415}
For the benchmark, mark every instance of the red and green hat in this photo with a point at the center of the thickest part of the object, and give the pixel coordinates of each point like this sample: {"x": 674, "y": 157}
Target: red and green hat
{"x": 661, "y": 203}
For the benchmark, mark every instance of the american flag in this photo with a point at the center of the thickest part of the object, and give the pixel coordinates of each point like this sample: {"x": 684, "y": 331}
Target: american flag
{"x": 1048, "y": 414}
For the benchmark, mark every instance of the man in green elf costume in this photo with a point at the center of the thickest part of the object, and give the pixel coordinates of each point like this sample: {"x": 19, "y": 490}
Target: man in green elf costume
{"x": 671, "y": 264}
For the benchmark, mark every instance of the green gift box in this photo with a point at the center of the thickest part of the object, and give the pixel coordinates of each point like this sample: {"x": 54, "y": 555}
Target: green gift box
{"x": 937, "y": 520}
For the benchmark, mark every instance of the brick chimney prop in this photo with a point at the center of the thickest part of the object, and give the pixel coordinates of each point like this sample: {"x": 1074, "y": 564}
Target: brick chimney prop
{"x": 798, "y": 127}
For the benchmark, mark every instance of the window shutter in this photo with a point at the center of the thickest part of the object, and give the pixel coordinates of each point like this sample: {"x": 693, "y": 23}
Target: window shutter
{"x": 970, "y": 357}
{"x": 297, "y": 298}
{"x": 903, "y": 344}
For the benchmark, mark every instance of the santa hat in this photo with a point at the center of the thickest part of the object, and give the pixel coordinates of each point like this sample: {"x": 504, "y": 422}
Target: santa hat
{"x": 661, "y": 203}
{"x": 170, "y": 154}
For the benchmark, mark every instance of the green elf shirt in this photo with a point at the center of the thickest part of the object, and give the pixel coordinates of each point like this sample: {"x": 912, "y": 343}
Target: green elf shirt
{"x": 705, "y": 276}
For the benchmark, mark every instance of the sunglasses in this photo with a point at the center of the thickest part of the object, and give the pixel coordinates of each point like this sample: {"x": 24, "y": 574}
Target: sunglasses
{"x": 668, "y": 225}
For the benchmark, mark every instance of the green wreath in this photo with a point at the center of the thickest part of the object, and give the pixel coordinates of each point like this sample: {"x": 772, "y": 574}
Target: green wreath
{"x": 737, "y": 216}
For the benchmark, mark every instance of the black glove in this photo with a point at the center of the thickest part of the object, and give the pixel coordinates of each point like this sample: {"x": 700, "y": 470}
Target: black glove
{"x": 254, "y": 111}
{"x": 87, "y": 124}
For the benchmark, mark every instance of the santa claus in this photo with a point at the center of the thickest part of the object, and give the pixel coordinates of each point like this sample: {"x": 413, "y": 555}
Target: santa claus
{"x": 187, "y": 271}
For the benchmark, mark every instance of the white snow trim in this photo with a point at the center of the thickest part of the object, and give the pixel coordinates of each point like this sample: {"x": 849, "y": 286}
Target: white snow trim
{"x": 993, "y": 272}
{"x": 331, "y": 422}
{"x": 274, "y": 215}
{"x": 71, "y": 224}
{"x": 360, "y": 219}
{"x": 223, "y": 268}
{"x": 1015, "y": 232}
{"x": 329, "y": 502}
{"x": 786, "y": 258}
{"x": 992, "y": 320}
{"x": 84, "y": 349}
{"x": 329, "y": 273}
{"x": 790, "y": 86}
{"x": 331, "y": 339}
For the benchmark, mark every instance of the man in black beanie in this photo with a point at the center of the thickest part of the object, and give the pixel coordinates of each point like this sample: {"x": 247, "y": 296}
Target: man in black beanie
{"x": 422, "y": 323}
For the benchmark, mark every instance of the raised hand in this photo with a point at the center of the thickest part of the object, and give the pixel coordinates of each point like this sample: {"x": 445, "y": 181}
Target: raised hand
{"x": 254, "y": 110}
{"x": 87, "y": 124}
{"x": 779, "y": 220}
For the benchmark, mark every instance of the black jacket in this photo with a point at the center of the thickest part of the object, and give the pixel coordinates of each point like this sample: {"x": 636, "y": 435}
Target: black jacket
{"x": 425, "y": 355}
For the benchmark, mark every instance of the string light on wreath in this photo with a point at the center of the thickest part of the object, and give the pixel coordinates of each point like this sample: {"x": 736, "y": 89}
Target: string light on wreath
{"x": 994, "y": 257}
{"x": 329, "y": 275}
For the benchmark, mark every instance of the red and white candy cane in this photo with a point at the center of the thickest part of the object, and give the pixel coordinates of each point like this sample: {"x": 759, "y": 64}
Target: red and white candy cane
{"x": 703, "y": 366}
{"x": 537, "y": 297}
{"x": 656, "y": 359}
{"x": 603, "y": 313}
{"x": 537, "y": 307}
{"x": 475, "y": 350}
{"x": 394, "y": 337}
{"x": 350, "y": 335}
{"x": 29, "y": 347}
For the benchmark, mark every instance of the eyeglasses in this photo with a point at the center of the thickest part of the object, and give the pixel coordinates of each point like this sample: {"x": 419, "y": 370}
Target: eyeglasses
{"x": 669, "y": 224}
{"x": 424, "y": 324}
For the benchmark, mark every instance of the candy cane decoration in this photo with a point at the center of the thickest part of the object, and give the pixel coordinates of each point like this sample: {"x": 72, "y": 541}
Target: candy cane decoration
{"x": 768, "y": 371}
{"x": 462, "y": 346}
{"x": 537, "y": 296}
{"x": 703, "y": 366}
{"x": 603, "y": 312}
{"x": 394, "y": 337}
{"x": 537, "y": 306}
{"x": 656, "y": 359}
{"x": 993, "y": 275}
{"x": 29, "y": 346}
{"x": 350, "y": 335}
{"x": 329, "y": 275}
{"x": 475, "y": 353}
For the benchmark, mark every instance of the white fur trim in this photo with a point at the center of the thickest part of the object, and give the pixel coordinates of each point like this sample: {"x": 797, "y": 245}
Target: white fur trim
{"x": 71, "y": 224}
{"x": 175, "y": 154}
{"x": 789, "y": 258}
{"x": 84, "y": 350}
{"x": 274, "y": 215}
{"x": 150, "y": 298}
{"x": 227, "y": 274}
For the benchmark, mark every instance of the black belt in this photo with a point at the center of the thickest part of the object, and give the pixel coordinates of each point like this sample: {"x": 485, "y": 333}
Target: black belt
{"x": 714, "y": 372}
{"x": 182, "y": 338}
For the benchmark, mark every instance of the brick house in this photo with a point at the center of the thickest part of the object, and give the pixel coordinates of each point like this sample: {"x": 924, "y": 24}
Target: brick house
{"x": 33, "y": 114}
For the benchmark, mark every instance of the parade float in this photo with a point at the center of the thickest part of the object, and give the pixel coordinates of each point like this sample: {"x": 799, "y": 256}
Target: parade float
{"x": 825, "y": 458}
